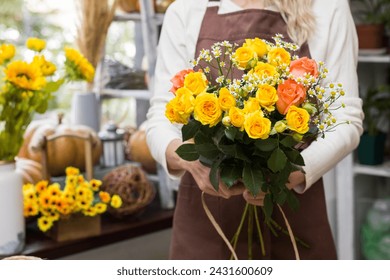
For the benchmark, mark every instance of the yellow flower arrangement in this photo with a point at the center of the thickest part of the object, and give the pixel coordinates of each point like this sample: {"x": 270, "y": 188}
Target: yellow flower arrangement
{"x": 249, "y": 118}
{"x": 27, "y": 86}
{"x": 51, "y": 202}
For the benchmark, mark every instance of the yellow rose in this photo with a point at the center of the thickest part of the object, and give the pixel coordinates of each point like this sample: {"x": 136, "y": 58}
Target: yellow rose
{"x": 257, "y": 45}
{"x": 226, "y": 99}
{"x": 35, "y": 44}
{"x": 179, "y": 109}
{"x": 264, "y": 70}
{"x": 279, "y": 56}
{"x": 196, "y": 82}
{"x": 237, "y": 117}
{"x": 256, "y": 126}
{"x": 251, "y": 105}
{"x": 243, "y": 55}
{"x": 267, "y": 97}
{"x": 298, "y": 119}
{"x": 207, "y": 109}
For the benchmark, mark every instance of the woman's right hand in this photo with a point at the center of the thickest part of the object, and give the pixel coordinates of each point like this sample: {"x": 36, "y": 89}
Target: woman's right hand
{"x": 199, "y": 172}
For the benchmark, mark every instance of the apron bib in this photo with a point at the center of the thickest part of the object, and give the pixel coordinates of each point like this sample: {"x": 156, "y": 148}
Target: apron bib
{"x": 193, "y": 235}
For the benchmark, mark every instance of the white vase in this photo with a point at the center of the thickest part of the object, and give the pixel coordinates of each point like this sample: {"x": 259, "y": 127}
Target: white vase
{"x": 85, "y": 110}
{"x": 12, "y": 226}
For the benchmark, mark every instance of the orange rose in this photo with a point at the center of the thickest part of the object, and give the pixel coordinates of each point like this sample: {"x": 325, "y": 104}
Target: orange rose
{"x": 178, "y": 80}
{"x": 290, "y": 93}
{"x": 303, "y": 65}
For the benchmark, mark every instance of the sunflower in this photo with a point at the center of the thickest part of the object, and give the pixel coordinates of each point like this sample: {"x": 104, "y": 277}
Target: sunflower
{"x": 116, "y": 201}
{"x": 44, "y": 200}
{"x": 7, "y": 52}
{"x": 45, "y": 223}
{"x": 95, "y": 184}
{"x": 25, "y": 76}
{"x": 54, "y": 190}
{"x": 41, "y": 186}
{"x": 35, "y": 44}
{"x": 72, "y": 171}
{"x": 30, "y": 208}
{"x": 79, "y": 68}
{"x": 100, "y": 207}
{"x": 104, "y": 197}
{"x": 46, "y": 67}
{"x": 90, "y": 212}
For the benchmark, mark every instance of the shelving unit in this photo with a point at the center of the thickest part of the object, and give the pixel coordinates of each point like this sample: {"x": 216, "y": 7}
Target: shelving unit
{"x": 150, "y": 21}
{"x": 346, "y": 172}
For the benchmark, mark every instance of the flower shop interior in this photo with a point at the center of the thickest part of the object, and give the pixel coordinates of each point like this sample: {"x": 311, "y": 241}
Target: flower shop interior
{"x": 83, "y": 125}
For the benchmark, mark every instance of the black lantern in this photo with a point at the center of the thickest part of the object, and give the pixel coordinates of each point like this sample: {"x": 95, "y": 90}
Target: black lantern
{"x": 113, "y": 146}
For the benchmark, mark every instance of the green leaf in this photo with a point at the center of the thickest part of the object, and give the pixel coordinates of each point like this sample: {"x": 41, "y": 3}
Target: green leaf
{"x": 266, "y": 145}
{"x": 188, "y": 152}
{"x": 231, "y": 133}
{"x": 277, "y": 160}
{"x": 209, "y": 151}
{"x": 201, "y": 138}
{"x": 214, "y": 174}
{"x": 295, "y": 157}
{"x": 189, "y": 130}
{"x": 292, "y": 201}
{"x": 235, "y": 151}
{"x": 288, "y": 142}
{"x": 205, "y": 161}
{"x": 253, "y": 178}
{"x": 281, "y": 197}
{"x": 230, "y": 174}
{"x": 268, "y": 207}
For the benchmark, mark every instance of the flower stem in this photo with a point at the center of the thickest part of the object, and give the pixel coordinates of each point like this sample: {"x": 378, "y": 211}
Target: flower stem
{"x": 275, "y": 224}
{"x": 250, "y": 232}
{"x": 259, "y": 231}
{"x": 237, "y": 234}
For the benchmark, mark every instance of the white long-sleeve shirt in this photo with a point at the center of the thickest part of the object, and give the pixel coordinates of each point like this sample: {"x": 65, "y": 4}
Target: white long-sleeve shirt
{"x": 334, "y": 42}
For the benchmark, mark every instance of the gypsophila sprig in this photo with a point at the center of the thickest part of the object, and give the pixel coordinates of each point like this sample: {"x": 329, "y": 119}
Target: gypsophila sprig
{"x": 51, "y": 203}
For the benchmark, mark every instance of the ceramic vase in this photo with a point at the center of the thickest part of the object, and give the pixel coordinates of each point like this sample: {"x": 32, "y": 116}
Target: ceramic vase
{"x": 12, "y": 226}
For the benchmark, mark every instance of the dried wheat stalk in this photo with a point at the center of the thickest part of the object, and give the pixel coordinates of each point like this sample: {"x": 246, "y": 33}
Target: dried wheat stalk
{"x": 95, "y": 17}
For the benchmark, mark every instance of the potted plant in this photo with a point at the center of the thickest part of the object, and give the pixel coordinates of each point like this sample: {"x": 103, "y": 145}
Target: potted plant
{"x": 376, "y": 108}
{"x": 370, "y": 17}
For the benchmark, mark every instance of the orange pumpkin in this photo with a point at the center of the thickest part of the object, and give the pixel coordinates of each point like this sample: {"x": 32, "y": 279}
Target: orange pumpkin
{"x": 138, "y": 151}
{"x": 61, "y": 152}
{"x": 30, "y": 170}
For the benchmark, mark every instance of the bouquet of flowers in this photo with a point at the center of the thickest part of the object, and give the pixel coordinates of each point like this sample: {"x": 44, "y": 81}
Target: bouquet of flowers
{"x": 50, "y": 202}
{"x": 251, "y": 129}
{"x": 26, "y": 88}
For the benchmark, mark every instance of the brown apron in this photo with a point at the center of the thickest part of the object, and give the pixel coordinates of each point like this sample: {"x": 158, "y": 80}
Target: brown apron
{"x": 194, "y": 237}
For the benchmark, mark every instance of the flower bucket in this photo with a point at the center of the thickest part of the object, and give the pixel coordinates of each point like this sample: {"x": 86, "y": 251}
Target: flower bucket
{"x": 371, "y": 149}
{"x": 75, "y": 227}
{"x": 12, "y": 233}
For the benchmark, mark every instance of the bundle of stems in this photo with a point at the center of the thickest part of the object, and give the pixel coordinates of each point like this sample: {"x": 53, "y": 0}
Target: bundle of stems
{"x": 95, "y": 17}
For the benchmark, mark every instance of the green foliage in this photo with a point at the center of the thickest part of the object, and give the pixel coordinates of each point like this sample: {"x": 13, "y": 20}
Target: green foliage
{"x": 261, "y": 165}
{"x": 371, "y": 11}
{"x": 376, "y": 106}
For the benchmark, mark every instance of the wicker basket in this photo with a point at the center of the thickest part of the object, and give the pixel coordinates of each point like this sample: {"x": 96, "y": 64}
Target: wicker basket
{"x": 132, "y": 185}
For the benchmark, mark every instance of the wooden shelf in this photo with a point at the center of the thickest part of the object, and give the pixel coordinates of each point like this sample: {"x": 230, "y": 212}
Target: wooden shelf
{"x": 382, "y": 170}
{"x": 137, "y": 17}
{"x": 374, "y": 58}
{"x": 113, "y": 230}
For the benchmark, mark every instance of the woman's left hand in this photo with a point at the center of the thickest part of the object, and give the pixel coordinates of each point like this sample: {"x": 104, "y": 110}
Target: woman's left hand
{"x": 296, "y": 179}
{"x": 258, "y": 200}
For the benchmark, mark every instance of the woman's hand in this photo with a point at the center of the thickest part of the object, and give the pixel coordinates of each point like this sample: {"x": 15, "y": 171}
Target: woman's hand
{"x": 257, "y": 200}
{"x": 199, "y": 172}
